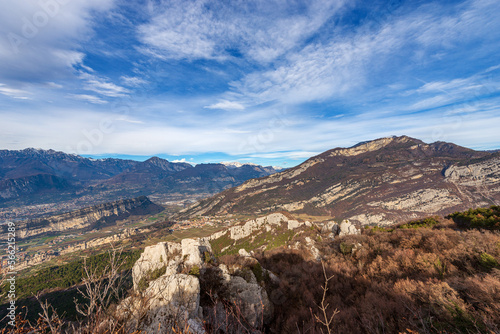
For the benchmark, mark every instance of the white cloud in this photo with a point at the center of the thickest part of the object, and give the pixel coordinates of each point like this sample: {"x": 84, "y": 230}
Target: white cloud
{"x": 54, "y": 85}
{"x": 13, "y": 92}
{"x": 226, "y": 105}
{"x": 350, "y": 61}
{"x": 84, "y": 132}
{"x": 102, "y": 86}
{"x": 183, "y": 160}
{"x": 439, "y": 93}
{"x": 88, "y": 98}
{"x": 258, "y": 30}
{"x": 132, "y": 81}
{"x": 38, "y": 39}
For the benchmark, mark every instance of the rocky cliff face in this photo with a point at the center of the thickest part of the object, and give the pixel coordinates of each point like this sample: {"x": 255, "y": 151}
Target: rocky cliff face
{"x": 377, "y": 182}
{"x": 87, "y": 218}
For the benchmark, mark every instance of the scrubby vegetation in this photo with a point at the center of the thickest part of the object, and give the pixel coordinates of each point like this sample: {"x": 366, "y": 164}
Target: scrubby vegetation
{"x": 151, "y": 275}
{"x": 66, "y": 275}
{"x": 478, "y": 218}
{"x": 410, "y": 280}
{"x": 426, "y": 222}
{"x": 57, "y": 284}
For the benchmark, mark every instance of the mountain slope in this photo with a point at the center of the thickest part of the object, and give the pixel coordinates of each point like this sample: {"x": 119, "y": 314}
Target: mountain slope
{"x": 379, "y": 181}
{"x": 34, "y": 176}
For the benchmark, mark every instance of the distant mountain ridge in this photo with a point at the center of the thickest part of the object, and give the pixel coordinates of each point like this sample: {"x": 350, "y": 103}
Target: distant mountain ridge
{"x": 32, "y": 176}
{"x": 375, "y": 182}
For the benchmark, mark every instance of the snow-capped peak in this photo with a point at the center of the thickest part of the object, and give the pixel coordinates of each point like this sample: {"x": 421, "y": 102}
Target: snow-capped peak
{"x": 236, "y": 164}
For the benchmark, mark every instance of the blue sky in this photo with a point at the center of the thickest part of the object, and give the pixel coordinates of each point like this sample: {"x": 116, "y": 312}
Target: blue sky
{"x": 270, "y": 82}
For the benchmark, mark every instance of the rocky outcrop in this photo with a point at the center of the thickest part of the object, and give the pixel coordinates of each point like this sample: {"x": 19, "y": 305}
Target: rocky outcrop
{"x": 88, "y": 218}
{"x": 194, "y": 251}
{"x": 251, "y": 299}
{"x": 424, "y": 200}
{"x": 344, "y": 228}
{"x": 169, "y": 257}
{"x": 347, "y": 228}
{"x": 478, "y": 174}
{"x": 242, "y": 231}
{"x": 173, "y": 295}
{"x": 170, "y": 294}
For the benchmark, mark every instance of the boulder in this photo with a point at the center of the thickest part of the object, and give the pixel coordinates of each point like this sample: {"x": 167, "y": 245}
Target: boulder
{"x": 243, "y": 252}
{"x": 293, "y": 224}
{"x": 330, "y": 227}
{"x": 347, "y": 228}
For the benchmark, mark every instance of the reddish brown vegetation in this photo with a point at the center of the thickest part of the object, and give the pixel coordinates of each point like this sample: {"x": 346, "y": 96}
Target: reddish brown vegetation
{"x": 425, "y": 280}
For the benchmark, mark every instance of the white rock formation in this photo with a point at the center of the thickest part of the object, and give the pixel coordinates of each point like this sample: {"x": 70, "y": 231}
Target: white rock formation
{"x": 153, "y": 258}
{"x": 372, "y": 219}
{"x": 243, "y": 231}
{"x": 169, "y": 298}
{"x": 331, "y": 227}
{"x": 346, "y": 228}
{"x": 423, "y": 200}
{"x": 293, "y": 224}
{"x": 243, "y": 252}
{"x": 174, "y": 294}
{"x": 193, "y": 251}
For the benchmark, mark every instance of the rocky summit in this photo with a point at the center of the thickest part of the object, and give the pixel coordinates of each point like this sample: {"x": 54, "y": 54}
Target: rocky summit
{"x": 376, "y": 182}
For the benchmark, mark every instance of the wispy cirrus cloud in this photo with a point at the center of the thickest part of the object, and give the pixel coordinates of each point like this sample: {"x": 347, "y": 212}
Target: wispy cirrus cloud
{"x": 88, "y": 98}
{"x": 226, "y": 105}
{"x": 257, "y": 30}
{"x": 13, "y": 92}
{"x": 351, "y": 61}
{"x": 102, "y": 85}
{"x": 253, "y": 79}
{"x": 132, "y": 81}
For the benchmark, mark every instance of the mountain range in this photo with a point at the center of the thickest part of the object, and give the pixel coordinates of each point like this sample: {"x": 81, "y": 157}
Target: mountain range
{"x": 32, "y": 176}
{"x": 376, "y": 182}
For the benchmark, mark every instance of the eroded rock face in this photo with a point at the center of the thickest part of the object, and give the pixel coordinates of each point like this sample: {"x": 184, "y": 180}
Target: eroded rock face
{"x": 331, "y": 227}
{"x": 176, "y": 294}
{"x": 171, "y": 255}
{"x": 169, "y": 300}
{"x": 154, "y": 258}
{"x": 242, "y": 231}
{"x": 193, "y": 251}
{"x": 252, "y": 300}
{"x": 484, "y": 173}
